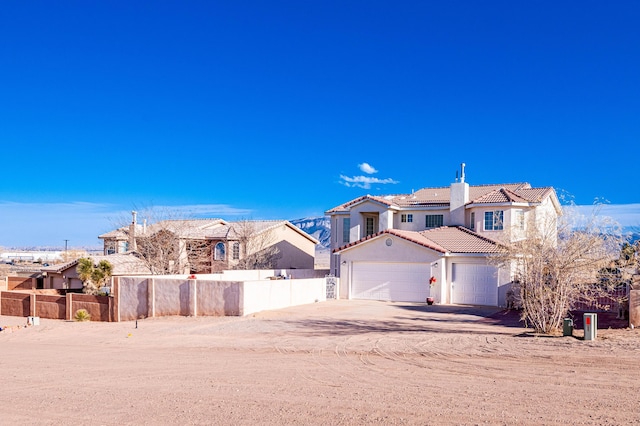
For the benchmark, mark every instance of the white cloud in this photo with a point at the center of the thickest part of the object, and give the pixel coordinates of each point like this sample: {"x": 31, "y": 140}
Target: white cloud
{"x": 367, "y": 168}
{"x": 364, "y": 181}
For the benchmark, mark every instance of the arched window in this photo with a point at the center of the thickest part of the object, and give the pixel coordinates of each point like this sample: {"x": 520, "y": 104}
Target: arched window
{"x": 219, "y": 253}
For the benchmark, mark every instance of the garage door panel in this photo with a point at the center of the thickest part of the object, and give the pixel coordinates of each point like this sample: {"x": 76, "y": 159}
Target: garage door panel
{"x": 474, "y": 284}
{"x": 402, "y": 282}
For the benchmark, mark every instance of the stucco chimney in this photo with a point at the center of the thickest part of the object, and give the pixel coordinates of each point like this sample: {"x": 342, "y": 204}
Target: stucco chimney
{"x": 459, "y": 198}
{"x": 132, "y": 231}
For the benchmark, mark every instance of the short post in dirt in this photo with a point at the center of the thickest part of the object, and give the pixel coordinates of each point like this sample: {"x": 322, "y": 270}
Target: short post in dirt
{"x": 590, "y": 324}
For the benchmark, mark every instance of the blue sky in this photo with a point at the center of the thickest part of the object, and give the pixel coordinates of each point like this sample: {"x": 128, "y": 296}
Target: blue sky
{"x": 284, "y": 109}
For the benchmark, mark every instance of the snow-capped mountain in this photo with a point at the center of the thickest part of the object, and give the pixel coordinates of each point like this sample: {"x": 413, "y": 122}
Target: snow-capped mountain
{"x": 318, "y": 227}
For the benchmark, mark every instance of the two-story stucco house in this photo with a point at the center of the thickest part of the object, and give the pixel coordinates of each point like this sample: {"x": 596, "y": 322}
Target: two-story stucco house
{"x": 221, "y": 244}
{"x": 434, "y": 242}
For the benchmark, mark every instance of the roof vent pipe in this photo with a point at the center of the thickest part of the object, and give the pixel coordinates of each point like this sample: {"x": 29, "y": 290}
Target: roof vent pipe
{"x": 462, "y": 173}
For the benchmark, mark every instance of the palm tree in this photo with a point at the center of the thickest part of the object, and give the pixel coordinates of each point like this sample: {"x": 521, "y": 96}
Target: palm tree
{"x": 93, "y": 276}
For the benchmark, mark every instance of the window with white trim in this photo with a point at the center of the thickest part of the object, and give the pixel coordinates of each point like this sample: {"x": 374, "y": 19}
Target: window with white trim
{"x": 494, "y": 220}
{"x": 236, "y": 251}
{"x": 472, "y": 222}
{"x": 406, "y": 218}
{"x": 346, "y": 229}
{"x": 434, "y": 220}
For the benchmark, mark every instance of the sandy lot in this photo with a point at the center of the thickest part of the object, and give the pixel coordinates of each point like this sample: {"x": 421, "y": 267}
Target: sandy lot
{"x": 333, "y": 363}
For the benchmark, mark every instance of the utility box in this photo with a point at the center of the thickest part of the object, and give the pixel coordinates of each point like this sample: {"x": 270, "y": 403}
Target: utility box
{"x": 590, "y": 326}
{"x": 567, "y": 327}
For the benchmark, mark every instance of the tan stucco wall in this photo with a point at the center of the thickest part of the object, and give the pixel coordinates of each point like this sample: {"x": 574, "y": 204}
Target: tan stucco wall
{"x": 219, "y": 298}
{"x": 140, "y": 297}
{"x": 132, "y": 294}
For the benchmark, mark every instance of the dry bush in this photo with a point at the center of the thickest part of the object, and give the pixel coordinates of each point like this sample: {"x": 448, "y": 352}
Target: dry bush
{"x": 560, "y": 263}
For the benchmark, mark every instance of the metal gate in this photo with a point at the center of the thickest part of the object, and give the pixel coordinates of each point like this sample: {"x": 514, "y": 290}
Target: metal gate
{"x": 331, "y": 284}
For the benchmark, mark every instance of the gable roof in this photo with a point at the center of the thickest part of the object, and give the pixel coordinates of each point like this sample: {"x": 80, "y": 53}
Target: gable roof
{"x": 441, "y": 196}
{"x": 203, "y": 229}
{"x": 445, "y": 239}
{"x": 229, "y": 231}
{"x": 185, "y": 228}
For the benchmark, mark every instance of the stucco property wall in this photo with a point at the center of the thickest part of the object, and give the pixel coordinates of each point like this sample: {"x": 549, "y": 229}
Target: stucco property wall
{"x": 253, "y": 275}
{"x": 15, "y": 304}
{"x": 140, "y": 297}
{"x": 55, "y": 306}
{"x": 218, "y": 298}
{"x": 133, "y": 297}
{"x": 277, "y": 294}
{"x": 49, "y": 306}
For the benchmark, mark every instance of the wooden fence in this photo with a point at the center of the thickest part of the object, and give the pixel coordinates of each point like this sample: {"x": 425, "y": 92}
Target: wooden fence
{"x": 610, "y": 302}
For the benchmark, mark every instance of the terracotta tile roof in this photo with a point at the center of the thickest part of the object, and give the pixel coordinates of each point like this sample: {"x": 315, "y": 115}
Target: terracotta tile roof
{"x": 445, "y": 239}
{"x": 412, "y": 236}
{"x": 441, "y": 196}
{"x": 458, "y": 239}
{"x": 502, "y": 195}
{"x": 379, "y": 199}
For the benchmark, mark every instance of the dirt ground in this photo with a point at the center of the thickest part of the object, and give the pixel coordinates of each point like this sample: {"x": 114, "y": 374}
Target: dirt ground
{"x": 332, "y": 363}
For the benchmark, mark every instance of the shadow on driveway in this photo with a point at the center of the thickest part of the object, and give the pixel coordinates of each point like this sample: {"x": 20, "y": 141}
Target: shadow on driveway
{"x": 486, "y": 314}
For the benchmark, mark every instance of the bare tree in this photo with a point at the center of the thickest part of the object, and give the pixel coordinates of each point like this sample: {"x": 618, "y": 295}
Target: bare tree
{"x": 170, "y": 243}
{"x": 560, "y": 263}
{"x": 256, "y": 241}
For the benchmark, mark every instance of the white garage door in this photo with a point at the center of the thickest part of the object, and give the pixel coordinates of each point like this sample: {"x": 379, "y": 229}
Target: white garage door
{"x": 399, "y": 282}
{"x": 474, "y": 285}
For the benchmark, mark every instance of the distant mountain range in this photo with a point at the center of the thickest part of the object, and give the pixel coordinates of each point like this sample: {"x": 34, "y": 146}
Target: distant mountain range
{"x": 318, "y": 227}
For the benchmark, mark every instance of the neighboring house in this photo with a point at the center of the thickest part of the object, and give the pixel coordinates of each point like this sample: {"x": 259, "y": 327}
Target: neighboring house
{"x": 64, "y": 276}
{"x": 434, "y": 242}
{"x": 211, "y": 245}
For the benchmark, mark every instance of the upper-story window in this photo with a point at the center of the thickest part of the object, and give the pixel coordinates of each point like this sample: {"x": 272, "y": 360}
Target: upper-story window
{"x": 110, "y": 248}
{"x": 434, "y": 220}
{"x": 369, "y": 226}
{"x": 472, "y": 221}
{"x": 123, "y": 247}
{"x": 406, "y": 218}
{"x": 236, "y": 251}
{"x": 219, "y": 252}
{"x": 346, "y": 229}
{"x": 520, "y": 219}
{"x": 494, "y": 220}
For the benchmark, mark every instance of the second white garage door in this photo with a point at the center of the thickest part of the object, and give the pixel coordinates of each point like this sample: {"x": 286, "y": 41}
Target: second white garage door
{"x": 474, "y": 284}
{"x": 399, "y": 282}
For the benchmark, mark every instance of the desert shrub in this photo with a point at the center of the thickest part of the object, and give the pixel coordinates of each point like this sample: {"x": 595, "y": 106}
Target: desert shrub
{"x": 82, "y": 315}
